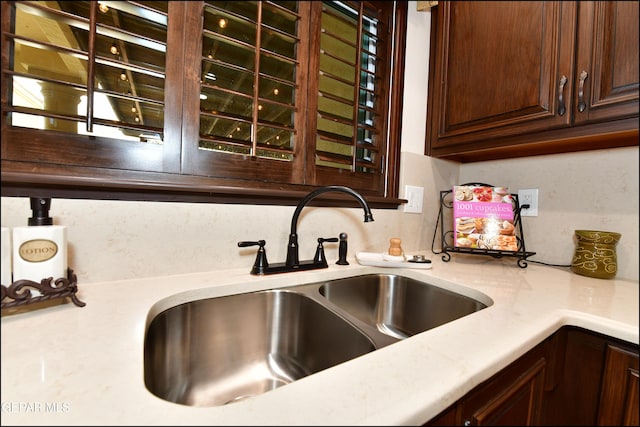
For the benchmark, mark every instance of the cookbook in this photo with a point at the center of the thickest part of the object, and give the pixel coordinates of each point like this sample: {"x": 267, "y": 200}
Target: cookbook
{"x": 483, "y": 218}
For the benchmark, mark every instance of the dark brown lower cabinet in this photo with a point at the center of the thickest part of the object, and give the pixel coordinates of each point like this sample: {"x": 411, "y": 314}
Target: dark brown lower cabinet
{"x": 619, "y": 399}
{"x": 518, "y": 403}
{"x": 512, "y": 397}
{"x": 574, "y": 377}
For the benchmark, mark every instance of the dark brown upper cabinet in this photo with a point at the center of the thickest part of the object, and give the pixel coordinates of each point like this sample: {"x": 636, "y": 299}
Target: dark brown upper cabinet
{"x": 606, "y": 82}
{"x": 247, "y": 101}
{"x": 512, "y": 79}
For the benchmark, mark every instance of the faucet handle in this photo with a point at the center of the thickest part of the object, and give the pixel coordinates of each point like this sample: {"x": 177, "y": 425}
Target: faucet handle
{"x": 319, "y": 258}
{"x": 328, "y": 239}
{"x": 245, "y": 244}
{"x": 260, "y": 265}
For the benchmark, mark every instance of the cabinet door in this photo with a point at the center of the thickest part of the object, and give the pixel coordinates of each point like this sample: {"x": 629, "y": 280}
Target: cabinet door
{"x": 512, "y": 397}
{"x": 510, "y": 403}
{"x": 619, "y": 392}
{"x": 606, "y": 83}
{"x": 501, "y": 69}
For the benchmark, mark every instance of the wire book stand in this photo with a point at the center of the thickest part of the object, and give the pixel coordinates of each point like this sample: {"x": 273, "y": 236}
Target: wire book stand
{"x": 448, "y": 235}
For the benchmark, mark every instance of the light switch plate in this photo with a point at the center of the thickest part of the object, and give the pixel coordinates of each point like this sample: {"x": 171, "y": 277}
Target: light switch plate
{"x": 414, "y": 196}
{"x": 528, "y": 197}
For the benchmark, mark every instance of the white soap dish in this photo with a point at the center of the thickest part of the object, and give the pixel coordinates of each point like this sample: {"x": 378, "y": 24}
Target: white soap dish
{"x": 376, "y": 259}
{"x": 393, "y": 258}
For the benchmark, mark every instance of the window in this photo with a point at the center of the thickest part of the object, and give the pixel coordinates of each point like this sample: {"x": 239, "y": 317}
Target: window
{"x": 186, "y": 100}
{"x": 56, "y": 69}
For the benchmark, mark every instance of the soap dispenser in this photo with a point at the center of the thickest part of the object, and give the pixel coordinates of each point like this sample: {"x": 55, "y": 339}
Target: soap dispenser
{"x": 40, "y": 249}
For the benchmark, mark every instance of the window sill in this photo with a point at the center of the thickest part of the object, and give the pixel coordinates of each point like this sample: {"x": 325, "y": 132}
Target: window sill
{"x": 23, "y": 179}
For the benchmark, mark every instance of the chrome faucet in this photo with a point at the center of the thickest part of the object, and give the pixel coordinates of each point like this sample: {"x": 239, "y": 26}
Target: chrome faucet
{"x": 293, "y": 263}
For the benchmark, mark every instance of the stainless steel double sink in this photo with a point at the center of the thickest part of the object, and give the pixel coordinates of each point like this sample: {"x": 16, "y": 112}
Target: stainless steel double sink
{"x": 215, "y": 351}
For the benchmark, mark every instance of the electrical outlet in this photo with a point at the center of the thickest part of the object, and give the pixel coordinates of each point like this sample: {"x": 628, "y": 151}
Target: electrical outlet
{"x": 528, "y": 197}
{"x": 414, "y": 196}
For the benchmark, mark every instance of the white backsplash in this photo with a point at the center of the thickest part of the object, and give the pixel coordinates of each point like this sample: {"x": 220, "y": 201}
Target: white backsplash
{"x": 112, "y": 240}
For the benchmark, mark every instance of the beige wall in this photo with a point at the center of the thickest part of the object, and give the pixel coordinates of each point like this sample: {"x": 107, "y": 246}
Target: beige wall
{"x": 111, "y": 240}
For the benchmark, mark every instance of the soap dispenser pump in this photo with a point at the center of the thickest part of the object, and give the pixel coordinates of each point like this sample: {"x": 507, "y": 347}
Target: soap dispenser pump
{"x": 40, "y": 249}
{"x": 40, "y": 212}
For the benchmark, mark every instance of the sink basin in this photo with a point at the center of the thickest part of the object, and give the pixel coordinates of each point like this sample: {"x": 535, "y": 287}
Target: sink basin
{"x": 215, "y": 351}
{"x": 219, "y": 350}
{"x": 396, "y": 305}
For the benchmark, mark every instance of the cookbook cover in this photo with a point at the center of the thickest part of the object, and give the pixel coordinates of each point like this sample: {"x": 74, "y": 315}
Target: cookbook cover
{"x": 483, "y": 218}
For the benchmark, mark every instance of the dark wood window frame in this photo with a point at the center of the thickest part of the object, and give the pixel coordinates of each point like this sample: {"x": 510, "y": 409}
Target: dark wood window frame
{"x": 31, "y": 164}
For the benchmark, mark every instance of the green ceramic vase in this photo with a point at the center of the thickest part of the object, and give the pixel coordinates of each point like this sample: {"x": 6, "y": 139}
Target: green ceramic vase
{"x": 595, "y": 254}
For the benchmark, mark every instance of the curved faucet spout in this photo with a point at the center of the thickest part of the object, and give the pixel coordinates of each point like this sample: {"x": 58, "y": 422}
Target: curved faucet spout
{"x": 292, "y": 248}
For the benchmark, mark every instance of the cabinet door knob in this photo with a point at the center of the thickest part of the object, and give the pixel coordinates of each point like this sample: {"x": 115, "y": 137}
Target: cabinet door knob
{"x": 561, "y": 108}
{"x": 581, "y": 104}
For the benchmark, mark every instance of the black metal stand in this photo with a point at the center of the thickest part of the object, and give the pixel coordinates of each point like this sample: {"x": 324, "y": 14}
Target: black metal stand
{"x": 447, "y": 236}
{"x": 18, "y": 293}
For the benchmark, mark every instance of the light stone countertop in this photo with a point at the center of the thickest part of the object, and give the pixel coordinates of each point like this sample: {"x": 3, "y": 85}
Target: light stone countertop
{"x": 66, "y": 365}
